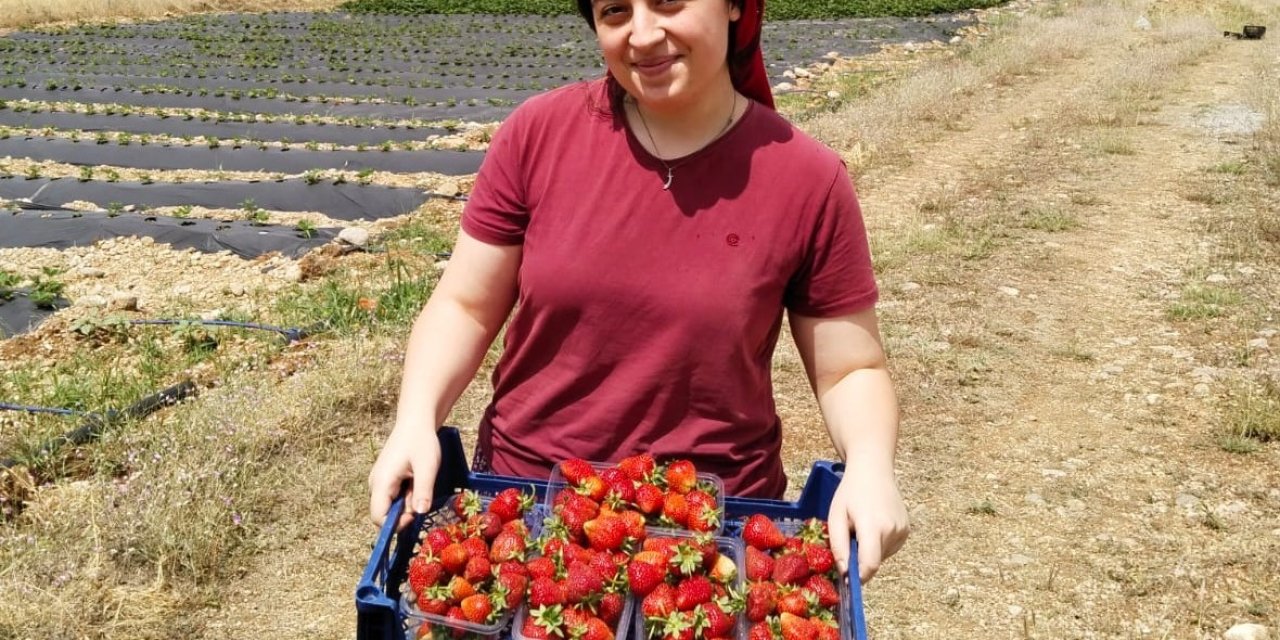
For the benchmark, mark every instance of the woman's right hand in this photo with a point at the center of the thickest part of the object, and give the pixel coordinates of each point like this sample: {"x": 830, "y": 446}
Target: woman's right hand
{"x": 409, "y": 453}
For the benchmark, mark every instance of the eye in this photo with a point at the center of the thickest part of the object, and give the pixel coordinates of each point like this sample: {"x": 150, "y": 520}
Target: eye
{"x": 610, "y": 10}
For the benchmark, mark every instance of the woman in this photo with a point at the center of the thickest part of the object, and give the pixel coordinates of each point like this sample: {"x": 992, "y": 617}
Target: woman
{"x": 653, "y": 226}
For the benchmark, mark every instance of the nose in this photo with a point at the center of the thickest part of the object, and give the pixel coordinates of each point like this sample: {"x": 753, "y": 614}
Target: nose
{"x": 646, "y": 27}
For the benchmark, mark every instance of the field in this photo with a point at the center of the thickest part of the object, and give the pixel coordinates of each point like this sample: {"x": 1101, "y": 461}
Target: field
{"x": 1072, "y": 215}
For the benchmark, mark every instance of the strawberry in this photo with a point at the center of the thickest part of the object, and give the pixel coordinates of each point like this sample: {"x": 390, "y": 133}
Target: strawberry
{"x": 760, "y": 532}
{"x": 466, "y": 504}
{"x": 797, "y": 628}
{"x": 649, "y": 499}
{"x": 761, "y": 601}
{"x": 475, "y": 546}
{"x": 790, "y": 569}
{"x": 545, "y": 592}
{"x": 514, "y": 585}
{"x": 819, "y": 556}
{"x": 759, "y": 631}
{"x": 437, "y": 539}
{"x": 794, "y": 602}
{"x": 532, "y": 630}
{"x": 510, "y": 504}
{"x": 477, "y": 570}
{"x": 759, "y": 564}
{"x": 541, "y": 567}
{"x": 717, "y": 622}
{"x": 424, "y": 571}
{"x": 454, "y": 557}
{"x": 582, "y": 582}
{"x": 486, "y": 525}
{"x": 460, "y": 588}
{"x": 611, "y": 606}
{"x": 512, "y": 567}
{"x": 681, "y": 476}
{"x": 576, "y": 470}
{"x": 679, "y": 625}
{"x": 724, "y": 569}
{"x": 793, "y": 544}
{"x": 550, "y": 619}
{"x": 703, "y": 519}
{"x": 477, "y": 608}
{"x": 617, "y": 480}
{"x": 507, "y": 546}
{"x": 693, "y": 591}
{"x": 644, "y": 577}
{"x": 517, "y": 527}
{"x": 826, "y": 592}
{"x": 605, "y": 534}
{"x": 593, "y": 487}
{"x": 634, "y": 520}
{"x": 675, "y": 508}
{"x": 637, "y": 467}
{"x": 456, "y": 613}
{"x": 597, "y": 629}
{"x": 660, "y": 602}
{"x": 826, "y": 630}
{"x": 436, "y": 606}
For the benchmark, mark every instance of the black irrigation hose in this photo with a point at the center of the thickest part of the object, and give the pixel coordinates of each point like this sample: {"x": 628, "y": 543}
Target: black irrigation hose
{"x": 95, "y": 424}
{"x": 291, "y": 335}
{"x": 6, "y": 406}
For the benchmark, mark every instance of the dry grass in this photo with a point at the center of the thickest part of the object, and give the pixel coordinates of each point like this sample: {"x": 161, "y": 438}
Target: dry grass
{"x": 20, "y": 14}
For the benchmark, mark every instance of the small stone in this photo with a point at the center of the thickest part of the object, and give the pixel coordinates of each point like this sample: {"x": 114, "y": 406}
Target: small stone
{"x": 448, "y": 188}
{"x": 124, "y": 302}
{"x": 92, "y": 272}
{"x": 289, "y": 273}
{"x": 789, "y": 74}
{"x": 833, "y": 94}
{"x": 1018, "y": 559}
{"x": 1015, "y": 610}
{"x": 1153, "y": 399}
{"x": 1075, "y": 504}
{"x": 783, "y": 86}
{"x": 147, "y": 241}
{"x": 210, "y": 316}
{"x": 1142, "y": 24}
{"x": 235, "y": 289}
{"x": 354, "y": 236}
{"x": 1267, "y": 333}
{"x": 1186, "y": 501}
{"x": 441, "y": 265}
{"x": 831, "y": 55}
{"x": 1247, "y": 631}
{"x": 91, "y": 301}
{"x": 1036, "y": 499}
{"x": 1053, "y": 473}
{"x": 910, "y": 286}
{"x": 1201, "y": 390}
{"x": 1216, "y": 278}
{"x": 955, "y": 40}
{"x": 801, "y": 72}
{"x": 1246, "y": 270}
{"x": 1260, "y": 344}
{"x": 182, "y": 290}
{"x": 1009, "y": 291}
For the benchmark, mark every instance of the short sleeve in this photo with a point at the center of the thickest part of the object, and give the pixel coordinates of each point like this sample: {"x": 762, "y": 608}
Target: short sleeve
{"x": 497, "y": 210}
{"x": 835, "y": 276}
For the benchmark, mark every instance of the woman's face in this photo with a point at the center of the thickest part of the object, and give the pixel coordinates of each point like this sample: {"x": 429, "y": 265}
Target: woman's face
{"x": 668, "y": 54}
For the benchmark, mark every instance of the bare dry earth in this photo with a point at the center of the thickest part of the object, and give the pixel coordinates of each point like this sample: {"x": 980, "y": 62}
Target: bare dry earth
{"x": 1064, "y": 483}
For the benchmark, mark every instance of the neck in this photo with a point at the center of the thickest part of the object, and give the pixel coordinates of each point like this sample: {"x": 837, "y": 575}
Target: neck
{"x": 681, "y": 130}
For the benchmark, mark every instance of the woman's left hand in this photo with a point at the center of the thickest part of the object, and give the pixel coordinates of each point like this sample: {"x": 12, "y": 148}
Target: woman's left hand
{"x": 869, "y": 504}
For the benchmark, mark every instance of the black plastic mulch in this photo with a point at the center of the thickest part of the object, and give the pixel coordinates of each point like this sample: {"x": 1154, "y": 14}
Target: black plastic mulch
{"x": 246, "y": 158}
{"x": 481, "y": 112}
{"x": 18, "y": 315}
{"x": 177, "y": 127}
{"x": 64, "y": 229}
{"x": 341, "y": 202}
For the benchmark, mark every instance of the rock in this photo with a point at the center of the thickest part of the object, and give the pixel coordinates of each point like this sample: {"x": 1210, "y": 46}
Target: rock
{"x": 1247, "y": 631}
{"x": 91, "y": 301}
{"x": 783, "y": 86}
{"x": 1142, "y": 24}
{"x": 1036, "y": 499}
{"x": 124, "y": 301}
{"x": 1267, "y": 333}
{"x": 448, "y": 188}
{"x": 288, "y": 273}
{"x": 1009, "y": 291}
{"x": 182, "y": 290}
{"x": 1053, "y": 473}
{"x": 1216, "y": 278}
{"x": 92, "y": 272}
{"x": 1260, "y": 344}
{"x": 1015, "y": 610}
{"x": 354, "y": 236}
{"x": 1201, "y": 390}
{"x": 789, "y": 74}
{"x": 833, "y": 94}
{"x": 235, "y": 289}
{"x": 1186, "y": 501}
{"x": 801, "y": 72}
{"x": 1153, "y": 399}
{"x": 910, "y": 286}
{"x": 441, "y": 265}
{"x": 216, "y": 314}
{"x": 955, "y": 40}
{"x": 831, "y": 55}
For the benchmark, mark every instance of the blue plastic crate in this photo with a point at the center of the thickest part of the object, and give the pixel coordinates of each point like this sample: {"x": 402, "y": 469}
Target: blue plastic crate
{"x": 377, "y": 594}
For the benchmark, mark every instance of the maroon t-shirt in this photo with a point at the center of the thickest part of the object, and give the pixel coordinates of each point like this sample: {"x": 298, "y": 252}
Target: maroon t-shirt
{"x": 647, "y": 319}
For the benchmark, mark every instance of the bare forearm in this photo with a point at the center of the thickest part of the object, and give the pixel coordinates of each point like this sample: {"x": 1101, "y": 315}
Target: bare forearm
{"x": 861, "y": 412}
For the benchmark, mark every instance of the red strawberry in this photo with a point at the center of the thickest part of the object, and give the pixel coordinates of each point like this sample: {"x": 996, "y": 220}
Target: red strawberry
{"x": 660, "y": 602}
{"x": 759, "y": 631}
{"x": 760, "y": 532}
{"x": 649, "y": 499}
{"x": 532, "y": 630}
{"x": 826, "y": 630}
{"x": 605, "y": 534}
{"x": 477, "y": 608}
{"x": 794, "y": 602}
{"x": 681, "y": 476}
{"x": 550, "y": 619}
{"x": 513, "y": 567}
{"x": 437, "y": 539}
{"x": 593, "y": 487}
{"x": 820, "y": 586}
{"x": 635, "y": 524}
{"x": 644, "y": 577}
{"x": 545, "y": 592}
{"x": 719, "y": 623}
{"x": 477, "y": 570}
{"x": 424, "y": 572}
{"x": 454, "y": 557}
{"x": 597, "y": 629}
{"x": 819, "y": 556}
{"x": 611, "y": 605}
{"x": 675, "y": 508}
{"x": 761, "y": 601}
{"x": 510, "y": 504}
{"x": 466, "y": 504}
{"x": 436, "y": 606}
{"x": 759, "y": 564}
{"x": 541, "y": 567}
{"x": 582, "y": 582}
{"x": 514, "y": 585}
{"x": 637, "y": 467}
{"x": 582, "y": 505}
{"x": 456, "y": 613}
{"x": 793, "y": 544}
{"x": 703, "y": 519}
{"x": 517, "y": 527}
{"x": 507, "y": 546}
{"x": 790, "y": 569}
{"x": 797, "y": 628}
{"x": 693, "y": 591}
{"x": 617, "y": 480}
{"x": 678, "y": 625}
{"x": 576, "y": 470}
{"x": 486, "y": 525}
{"x": 460, "y": 589}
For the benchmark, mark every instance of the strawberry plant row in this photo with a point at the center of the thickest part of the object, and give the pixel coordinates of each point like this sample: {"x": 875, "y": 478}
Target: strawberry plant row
{"x": 343, "y": 202}
{"x": 228, "y": 158}
{"x": 195, "y": 128}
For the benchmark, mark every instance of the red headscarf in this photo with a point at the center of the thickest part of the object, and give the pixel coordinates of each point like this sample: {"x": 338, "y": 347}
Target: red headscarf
{"x": 746, "y": 61}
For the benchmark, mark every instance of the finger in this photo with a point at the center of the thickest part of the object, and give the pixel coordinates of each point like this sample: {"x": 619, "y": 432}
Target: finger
{"x": 838, "y": 529}
{"x": 869, "y": 557}
{"x": 424, "y": 482}
{"x": 379, "y": 503}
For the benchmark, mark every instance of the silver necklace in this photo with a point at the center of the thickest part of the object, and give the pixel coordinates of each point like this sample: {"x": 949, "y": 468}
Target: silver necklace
{"x": 671, "y": 168}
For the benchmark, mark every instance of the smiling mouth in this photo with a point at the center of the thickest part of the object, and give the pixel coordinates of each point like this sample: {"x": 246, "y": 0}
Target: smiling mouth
{"x": 655, "y": 66}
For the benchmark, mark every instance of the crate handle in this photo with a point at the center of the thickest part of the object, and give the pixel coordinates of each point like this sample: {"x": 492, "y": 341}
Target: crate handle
{"x": 855, "y": 594}
{"x": 373, "y": 582}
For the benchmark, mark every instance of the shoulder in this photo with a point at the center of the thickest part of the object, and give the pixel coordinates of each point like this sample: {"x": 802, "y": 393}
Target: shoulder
{"x": 789, "y": 154}
{"x": 568, "y": 105}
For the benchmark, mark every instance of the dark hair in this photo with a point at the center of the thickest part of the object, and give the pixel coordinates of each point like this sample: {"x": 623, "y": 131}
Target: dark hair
{"x": 584, "y": 8}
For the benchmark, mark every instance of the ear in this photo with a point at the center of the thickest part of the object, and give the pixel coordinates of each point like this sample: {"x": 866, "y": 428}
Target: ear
{"x": 735, "y": 11}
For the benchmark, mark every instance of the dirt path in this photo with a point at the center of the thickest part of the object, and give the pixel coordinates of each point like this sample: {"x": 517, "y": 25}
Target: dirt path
{"x": 1066, "y": 486}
